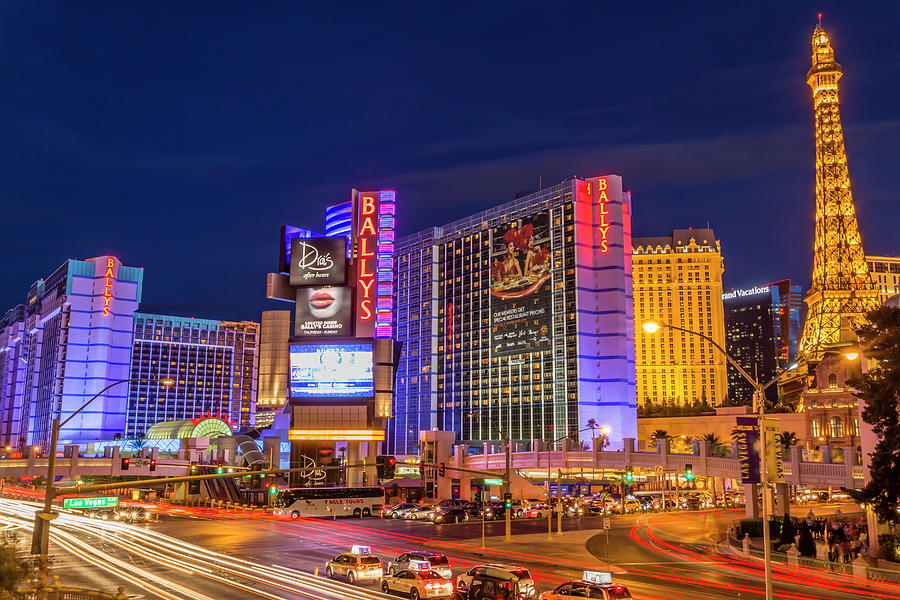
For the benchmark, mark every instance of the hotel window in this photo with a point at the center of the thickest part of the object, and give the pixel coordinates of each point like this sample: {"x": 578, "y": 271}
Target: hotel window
{"x": 816, "y": 428}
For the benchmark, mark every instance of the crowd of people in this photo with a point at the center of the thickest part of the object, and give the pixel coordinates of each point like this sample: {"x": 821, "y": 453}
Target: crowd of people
{"x": 845, "y": 538}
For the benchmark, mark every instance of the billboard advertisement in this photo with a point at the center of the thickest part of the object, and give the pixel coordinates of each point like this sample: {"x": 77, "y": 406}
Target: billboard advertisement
{"x": 520, "y": 286}
{"x": 318, "y": 261}
{"x": 336, "y": 370}
{"x": 325, "y": 310}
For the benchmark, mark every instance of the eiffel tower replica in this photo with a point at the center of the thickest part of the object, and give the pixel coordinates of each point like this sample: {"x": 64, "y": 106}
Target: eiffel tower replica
{"x": 842, "y": 290}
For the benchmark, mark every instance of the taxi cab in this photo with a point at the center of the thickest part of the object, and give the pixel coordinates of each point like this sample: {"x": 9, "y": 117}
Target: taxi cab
{"x": 593, "y": 584}
{"x": 358, "y": 564}
{"x": 418, "y": 581}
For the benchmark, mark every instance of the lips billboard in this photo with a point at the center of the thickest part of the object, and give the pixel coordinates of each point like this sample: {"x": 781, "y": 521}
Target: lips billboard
{"x": 325, "y": 310}
{"x": 318, "y": 261}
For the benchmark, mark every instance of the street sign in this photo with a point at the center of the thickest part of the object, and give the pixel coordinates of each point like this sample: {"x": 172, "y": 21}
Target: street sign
{"x": 101, "y": 502}
{"x": 493, "y": 482}
{"x": 606, "y": 523}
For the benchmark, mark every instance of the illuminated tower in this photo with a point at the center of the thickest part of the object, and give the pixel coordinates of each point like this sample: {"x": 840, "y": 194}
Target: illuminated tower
{"x": 842, "y": 290}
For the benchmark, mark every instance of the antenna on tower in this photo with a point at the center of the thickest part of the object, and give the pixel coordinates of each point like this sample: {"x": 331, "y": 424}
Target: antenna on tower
{"x": 820, "y": 19}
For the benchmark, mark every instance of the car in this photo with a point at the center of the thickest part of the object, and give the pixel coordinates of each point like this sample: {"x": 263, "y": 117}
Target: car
{"x": 497, "y": 510}
{"x": 391, "y": 511}
{"x": 477, "y": 582}
{"x": 439, "y": 563}
{"x": 401, "y": 514}
{"x": 537, "y": 511}
{"x": 419, "y": 513}
{"x": 473, "y": 508}
{"x": 356, "y": 565}
{"x": 416, "y": 584}
{"x": 449, "y": 515}
{"x": 594, "y": 584}
{"x": 632, "y": 505}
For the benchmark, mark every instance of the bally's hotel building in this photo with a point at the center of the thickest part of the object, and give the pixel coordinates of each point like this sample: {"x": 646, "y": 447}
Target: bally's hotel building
{"x": 518, "y": 321}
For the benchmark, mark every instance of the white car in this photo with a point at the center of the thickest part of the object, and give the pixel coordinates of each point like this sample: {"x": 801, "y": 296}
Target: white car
{"x": 417, "y": 584}
{"x": 358, "y": 564}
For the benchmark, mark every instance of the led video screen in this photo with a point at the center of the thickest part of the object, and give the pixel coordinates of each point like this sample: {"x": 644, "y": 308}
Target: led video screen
{"x": 331, "y": 371}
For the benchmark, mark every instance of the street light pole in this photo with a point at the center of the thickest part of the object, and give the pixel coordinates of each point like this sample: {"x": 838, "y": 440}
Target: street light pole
{"x": 40, "y": 540}
{"x": 760, "y": 409}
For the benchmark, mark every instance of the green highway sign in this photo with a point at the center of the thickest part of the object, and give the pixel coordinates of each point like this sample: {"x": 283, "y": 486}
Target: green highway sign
{"x": 102, "y": 502}
{"x": 493, "y": 482}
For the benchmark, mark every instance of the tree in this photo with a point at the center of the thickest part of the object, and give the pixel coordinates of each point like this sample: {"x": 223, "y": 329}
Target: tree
{"x": 879, "y": 388}
{"x": 787, "y": 530}
{"x": 787, "y": 438}
{"x": 15, "y": 569}
{"x": 660, "y": 434}
{"x": 716, "y": 447}
{"x": 806, "y": 545}
{"x": 593, "y": 425}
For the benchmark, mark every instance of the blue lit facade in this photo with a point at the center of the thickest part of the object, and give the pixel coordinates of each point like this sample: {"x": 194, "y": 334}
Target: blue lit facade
{"x": 70, "y": 339}
{"x": 580, "y": 364}
{"x": 214, "y": 365}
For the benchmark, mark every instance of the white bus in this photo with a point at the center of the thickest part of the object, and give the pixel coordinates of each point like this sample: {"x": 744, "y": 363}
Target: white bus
{"x": 329, "y": 502}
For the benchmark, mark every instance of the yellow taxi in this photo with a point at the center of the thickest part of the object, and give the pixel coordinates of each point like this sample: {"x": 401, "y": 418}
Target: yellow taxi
{"x": 593, "y": 584}
{"x": 356, "y": 565}
{"x": 418, "y": 581}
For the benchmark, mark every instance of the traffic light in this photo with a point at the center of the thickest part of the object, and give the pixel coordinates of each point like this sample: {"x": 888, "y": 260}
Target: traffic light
{"x": 507, "y": 500}
{"x": 220, "y": 470}
{"x": 629, "y": 474}
{"x": 385, "y": 466}
{"x": 273, "y": 489}
{"x": 441, "y": 470}
{"x": 152, "y": 464}
{"x": 125, "y": 463}
{"x": 194, "y": 469}
{"x": 689, "y": 472}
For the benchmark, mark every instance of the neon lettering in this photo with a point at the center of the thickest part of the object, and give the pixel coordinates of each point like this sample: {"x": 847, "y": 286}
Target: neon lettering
{"x": 367, "y": 287}
{"x": 368, "y": 205}
{"x": 364, "y": 247}
{"x": 365, "y": 310}
{"x": 367, "y": 227}
{"x": 603, "y": 226}
{"x": 108, "y": 279}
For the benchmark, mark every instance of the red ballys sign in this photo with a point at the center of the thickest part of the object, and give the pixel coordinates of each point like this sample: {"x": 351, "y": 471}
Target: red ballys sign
{"x": 108, "y": 279}
{"x": 603, "y": 223}
{"x": 366, "y": 262}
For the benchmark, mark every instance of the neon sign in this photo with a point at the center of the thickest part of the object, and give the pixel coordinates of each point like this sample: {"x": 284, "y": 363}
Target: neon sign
{"x": 108, "y": 279}
{"x": 367, "y": 240}
{"x": 374, "y": 264}
{"x": 603, "y": 226}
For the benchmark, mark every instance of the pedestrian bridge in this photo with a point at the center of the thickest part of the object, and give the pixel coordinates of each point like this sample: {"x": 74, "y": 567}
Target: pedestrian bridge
{"x": 661, "y": 461}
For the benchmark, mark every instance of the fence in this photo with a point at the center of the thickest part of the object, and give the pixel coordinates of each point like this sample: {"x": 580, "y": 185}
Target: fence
{"x": 56, "y": 591}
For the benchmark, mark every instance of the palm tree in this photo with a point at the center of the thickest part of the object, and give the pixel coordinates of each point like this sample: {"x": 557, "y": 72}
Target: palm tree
{"x": 593, "y": 425}
{"x": 715, "y": 444}
{"x": 787, "y": 438}
{"x": 660, "y": 434}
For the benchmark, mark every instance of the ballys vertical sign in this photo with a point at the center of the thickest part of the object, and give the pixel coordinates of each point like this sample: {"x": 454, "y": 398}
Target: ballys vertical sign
{"x": 602, "y": 221}
{"x": 366, "y": 262}
{"x": 108, "y": 277}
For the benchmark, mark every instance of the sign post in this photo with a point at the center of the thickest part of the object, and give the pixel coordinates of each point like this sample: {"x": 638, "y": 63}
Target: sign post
{"x": 100, "y": 502}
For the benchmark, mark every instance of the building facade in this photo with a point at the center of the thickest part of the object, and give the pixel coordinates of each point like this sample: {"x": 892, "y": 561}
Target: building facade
{"x": 831, "y": 408}
{"x": 213, "y": 363}
{"x": 67, "y": 342}
{"x": 678, "y": 281}
{"x": 885, "y": 272}
{"x": 762, "y": 331}
{"x": 517, "y": 322}
{"x": 274, "y": 360}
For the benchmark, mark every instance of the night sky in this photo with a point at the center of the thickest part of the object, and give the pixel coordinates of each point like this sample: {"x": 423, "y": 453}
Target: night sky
{"x": 179, "y": 136}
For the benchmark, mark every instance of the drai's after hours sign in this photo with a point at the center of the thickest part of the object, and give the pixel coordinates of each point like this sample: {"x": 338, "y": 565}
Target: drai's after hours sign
{"x": 318, "y": 261}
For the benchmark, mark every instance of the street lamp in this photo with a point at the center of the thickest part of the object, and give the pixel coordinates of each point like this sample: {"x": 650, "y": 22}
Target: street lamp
{"x": 760, "y": 409}
{"x": 506, "y": 475}
{"x": 40, "y": 541}
{"x": 558, "y": 487}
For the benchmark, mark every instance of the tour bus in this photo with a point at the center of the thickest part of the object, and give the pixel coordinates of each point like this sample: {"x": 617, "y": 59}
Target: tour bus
{"x": 329, "y": 502}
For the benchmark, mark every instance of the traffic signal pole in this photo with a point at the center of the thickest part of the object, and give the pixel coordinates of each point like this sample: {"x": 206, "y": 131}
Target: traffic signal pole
{"x": 506, "y": 491}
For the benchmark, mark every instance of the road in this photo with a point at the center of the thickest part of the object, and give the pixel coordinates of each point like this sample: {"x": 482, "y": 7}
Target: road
{"x": 202, "y": 553}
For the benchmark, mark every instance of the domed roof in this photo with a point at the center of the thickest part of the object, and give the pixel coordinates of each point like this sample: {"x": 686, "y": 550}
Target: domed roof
{"x": 208, "y": 428}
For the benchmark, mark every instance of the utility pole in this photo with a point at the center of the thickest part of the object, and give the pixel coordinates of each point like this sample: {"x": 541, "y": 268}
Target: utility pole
{"x": 506, "y": 489}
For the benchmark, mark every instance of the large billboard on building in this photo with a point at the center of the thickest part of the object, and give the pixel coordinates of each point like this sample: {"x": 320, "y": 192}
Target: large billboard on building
{"x": 318, "y": 261}
{"x": 520, "y": 286}
{"x": 332, "y": 370}
{"x": 326, "y": 310}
